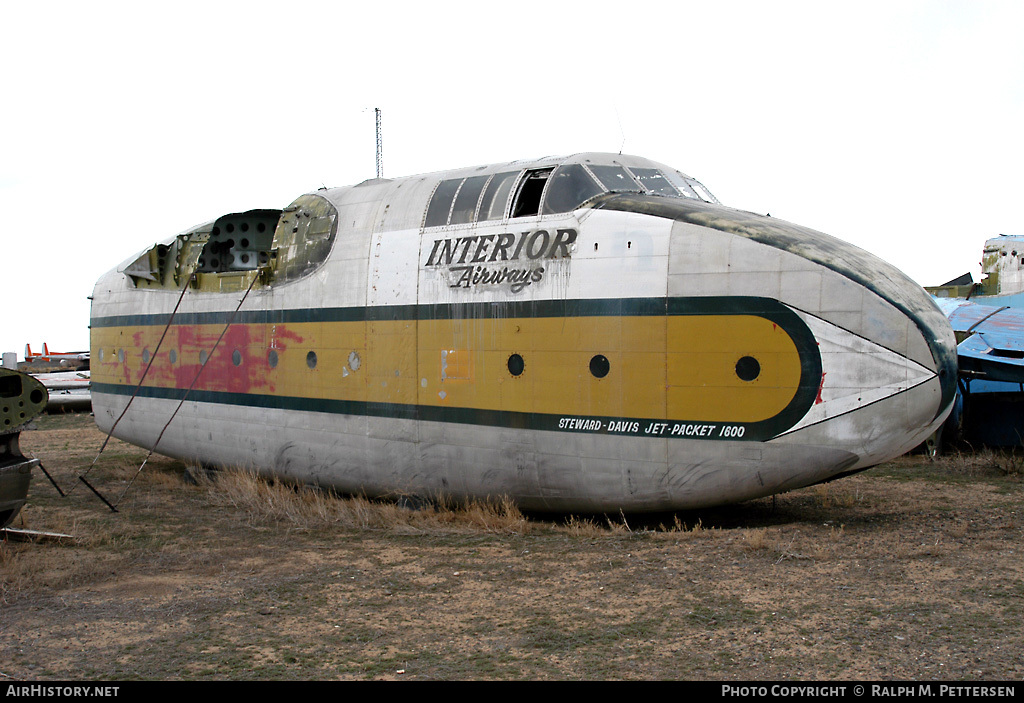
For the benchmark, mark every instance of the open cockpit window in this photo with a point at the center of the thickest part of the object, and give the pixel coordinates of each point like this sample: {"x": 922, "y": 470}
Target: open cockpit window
{"x": 228, "y": 253}
{"x": 531, "y": 188}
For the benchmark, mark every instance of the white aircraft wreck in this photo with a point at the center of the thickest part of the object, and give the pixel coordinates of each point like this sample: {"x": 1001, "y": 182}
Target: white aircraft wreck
{"x": 589, "y": 333}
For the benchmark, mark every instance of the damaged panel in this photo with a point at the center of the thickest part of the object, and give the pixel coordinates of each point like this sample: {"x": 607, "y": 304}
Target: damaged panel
{"x": 304, "y": 237}
{"x": 226, "y": 254}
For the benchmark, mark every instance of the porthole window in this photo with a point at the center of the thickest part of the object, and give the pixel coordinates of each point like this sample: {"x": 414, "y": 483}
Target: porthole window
{"x": 599, "y": 366}
{"x": 272, "y": 358}
{"x": 516, "y": 365}
{"x": 748, "y": 368}
{"x": 146, "y": 356}
{"x": 236, "y": 357}
{"x": 173, "y": 356}
{"x": 311, "y": 360}
{"x": 203, "y": 356}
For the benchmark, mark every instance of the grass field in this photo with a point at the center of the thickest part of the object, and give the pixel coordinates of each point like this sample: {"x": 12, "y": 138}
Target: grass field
{"x": 911, "y": 570}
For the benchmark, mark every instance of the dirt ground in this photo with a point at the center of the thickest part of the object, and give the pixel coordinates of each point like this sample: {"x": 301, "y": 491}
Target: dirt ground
{"x": 909, "y": 571}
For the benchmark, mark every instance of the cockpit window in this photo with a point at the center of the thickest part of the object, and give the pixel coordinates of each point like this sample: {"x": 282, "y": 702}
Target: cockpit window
{"x": 615, "y": 178}
{"x": 465, "y": 202}
{"x": 569, "y": 186}
{"x": 653, "y": 181}
{"x": 702, "y": 192}
{"x": 689, "y": 187}
{"x": 527, "y": 202}
{"x": 681, "y": 183}
{"x": 492, "y": 204}
{"x": 441, "y": 203}
{"x": 549, "y": 191}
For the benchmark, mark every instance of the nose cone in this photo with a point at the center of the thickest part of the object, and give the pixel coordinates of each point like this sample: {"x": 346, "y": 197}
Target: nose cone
{"x": 882, "y": 305}
{"x": 888, "y": 376}
{"x": 873, "y": 300}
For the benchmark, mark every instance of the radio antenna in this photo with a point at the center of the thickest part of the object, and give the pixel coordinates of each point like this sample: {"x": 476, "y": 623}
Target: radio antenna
{"x": 380, "y": 148}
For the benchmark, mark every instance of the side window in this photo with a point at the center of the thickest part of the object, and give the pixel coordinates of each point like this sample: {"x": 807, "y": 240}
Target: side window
{"x": 570, "y": 185}
{"x": 441, "y": 202}
{"x": 492, "y": 204}
{"x": 531, "y": 188}
{"x": 304, "y": 237}
{"x": 465, "y": 202}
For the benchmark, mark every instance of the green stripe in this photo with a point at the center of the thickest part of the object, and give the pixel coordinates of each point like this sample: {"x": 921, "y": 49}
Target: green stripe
{"x": 773, "y": 310}
{"x": 585, "y": 307}
{"x": 581, "y": 424}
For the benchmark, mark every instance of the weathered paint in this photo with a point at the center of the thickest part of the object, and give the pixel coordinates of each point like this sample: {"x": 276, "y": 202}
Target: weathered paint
{"x": 1002, "y": 275}
{"x": 991, "y": 359}
{"x": 673, "y": 353}
{"x": 671, "y": 369}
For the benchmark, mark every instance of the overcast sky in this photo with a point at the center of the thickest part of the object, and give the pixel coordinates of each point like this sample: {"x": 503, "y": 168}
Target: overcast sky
{"x": 894, "y": 125}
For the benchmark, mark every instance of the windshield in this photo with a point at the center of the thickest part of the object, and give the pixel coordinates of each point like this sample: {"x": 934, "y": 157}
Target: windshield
{"x": 547, "y": 191}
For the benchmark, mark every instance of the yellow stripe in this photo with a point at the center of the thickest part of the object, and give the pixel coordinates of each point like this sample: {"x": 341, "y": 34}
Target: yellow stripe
{"x": 676, "y": 368}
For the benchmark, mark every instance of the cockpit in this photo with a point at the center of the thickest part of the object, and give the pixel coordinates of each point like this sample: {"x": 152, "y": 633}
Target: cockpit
{"x": 276, "y": 246}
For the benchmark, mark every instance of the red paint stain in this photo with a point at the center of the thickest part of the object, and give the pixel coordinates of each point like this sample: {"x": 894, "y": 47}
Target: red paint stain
{"x": 237, "y": 363}
{"x": 126, "y": 369}
{"x": 820, "y": 386}
{"x": 279, "y": 335}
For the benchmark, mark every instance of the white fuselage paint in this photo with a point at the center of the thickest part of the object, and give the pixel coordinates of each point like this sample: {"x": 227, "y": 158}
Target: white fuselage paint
{"x": 880, "y": 393}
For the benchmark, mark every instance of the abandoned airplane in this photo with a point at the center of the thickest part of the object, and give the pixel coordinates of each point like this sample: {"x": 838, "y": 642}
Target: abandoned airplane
{"x": 988, "y": 321}
{"x": 588, "y": 333}
{"x": 22, "y": 398}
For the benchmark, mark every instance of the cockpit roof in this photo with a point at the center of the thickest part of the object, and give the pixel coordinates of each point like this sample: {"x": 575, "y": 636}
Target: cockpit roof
{"x": 522, "y": 188}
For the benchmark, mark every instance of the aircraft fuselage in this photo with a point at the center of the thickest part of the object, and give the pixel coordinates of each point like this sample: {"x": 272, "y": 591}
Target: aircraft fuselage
{"x": 590, "y": 333}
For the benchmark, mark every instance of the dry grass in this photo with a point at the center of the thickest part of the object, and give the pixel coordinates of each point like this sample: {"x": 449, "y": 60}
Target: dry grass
{"x": 984, "y": 462}
{"x": 270, "y": 502}
{"x": 909, "y": 571}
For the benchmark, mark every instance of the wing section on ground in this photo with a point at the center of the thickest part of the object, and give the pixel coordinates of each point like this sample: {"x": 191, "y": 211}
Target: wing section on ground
{"x": 991, "y": 339}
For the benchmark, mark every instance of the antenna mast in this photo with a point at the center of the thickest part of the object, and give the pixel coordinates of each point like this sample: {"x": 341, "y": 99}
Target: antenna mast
{"x": 380, "y": 156}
